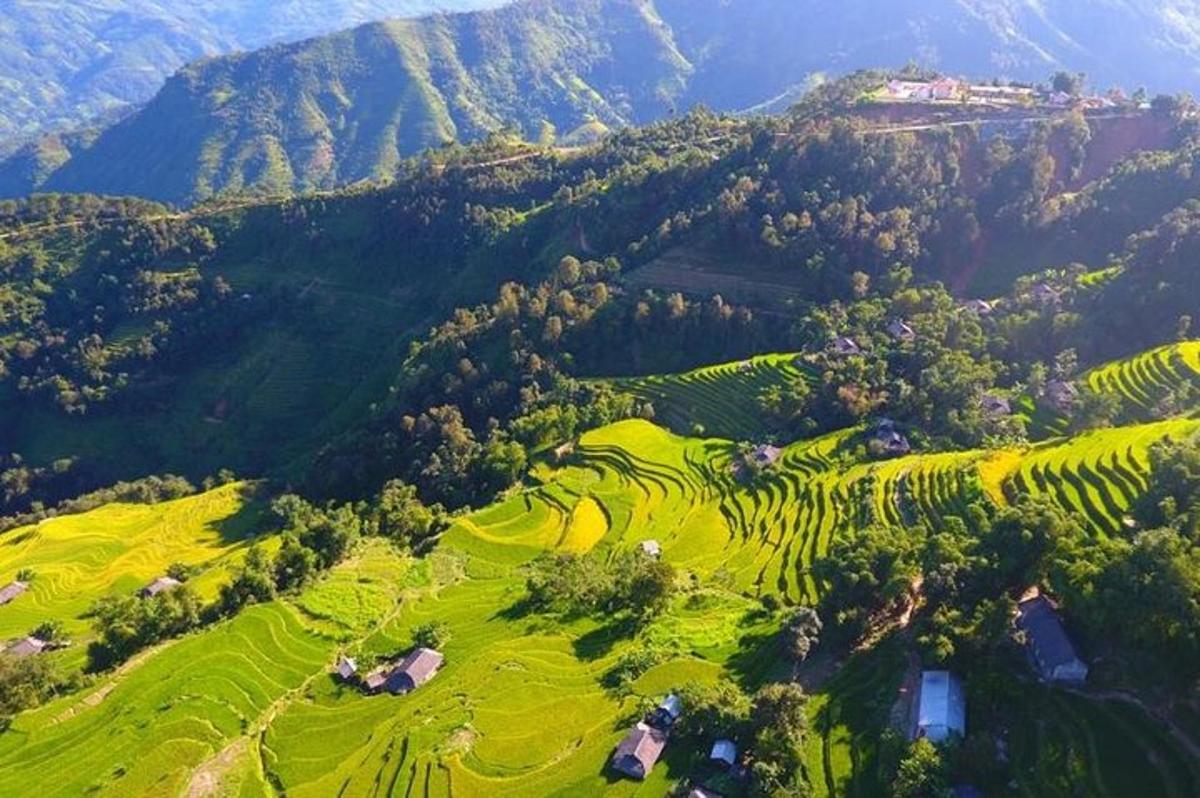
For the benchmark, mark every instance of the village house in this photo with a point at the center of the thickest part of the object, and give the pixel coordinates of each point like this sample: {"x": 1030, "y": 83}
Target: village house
{"x": 564, "y": 451}
{"x": 703, "y": 792}
{"x": 888, "y": 440}
{"x": 900, "y": 331}
{"x": 979, "y": 307}
{"x": 160, "y": 585}
{"x": 374, "y": 681}
{"x": 414, "y": 670}
{"x": 941, "y": 707}
{"x": 1061, "y": 394}
{"x": 651, "y": 548}
{"x": 26, "y": 647}
{"x": 346, "y": 668}
{"x": 724, "y": 753}
{"x": 1046, "y": 295}
{"x": 845, "y": 347}
{"x": 765, "y": 455}
{"x": 995, "y": 406}
{"x": 745, "y": 367}
{"x": 1046, "y": 640}
{"x": 638, "y": 753}
{"x": 11, "y": 591}
{"x": 667, "y": 712}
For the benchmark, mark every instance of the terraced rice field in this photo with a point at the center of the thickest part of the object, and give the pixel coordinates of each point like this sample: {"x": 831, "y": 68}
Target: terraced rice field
{"x": 1097, "y": 475}
{"x": 249, "y": 707}
{"x": 119, "y": 548}
{"x": 721, "y": 399}
{"x": 1145, "y": 380}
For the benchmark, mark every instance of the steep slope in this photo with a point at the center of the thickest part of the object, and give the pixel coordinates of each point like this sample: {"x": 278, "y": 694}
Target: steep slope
{"x": 65, "y": 62}
{"x": 347, "y": 107}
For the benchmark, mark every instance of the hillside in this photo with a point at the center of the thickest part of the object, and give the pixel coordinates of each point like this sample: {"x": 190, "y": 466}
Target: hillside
{"x": 251, "y": 701}
{"x": 69, "y": 64}
{"x": 349, "y": 106}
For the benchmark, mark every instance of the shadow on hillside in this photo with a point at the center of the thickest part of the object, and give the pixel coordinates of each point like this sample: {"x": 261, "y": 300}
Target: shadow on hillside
{"x": 252, "y": 519}
{"x": 599, "y": 642}
{"x": 759, "y": 660}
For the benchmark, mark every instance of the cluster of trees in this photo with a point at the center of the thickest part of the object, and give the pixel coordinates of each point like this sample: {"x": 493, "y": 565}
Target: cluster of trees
{"x": 314, "y": 539}
{"x": 19, "y": 480}
{"x": 769, "y": 725}
{"x": 495, "y": 383}
{"x": 621, "y": 582}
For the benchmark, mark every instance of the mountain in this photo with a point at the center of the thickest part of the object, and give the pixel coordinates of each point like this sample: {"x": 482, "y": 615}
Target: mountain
{"x": 349, "y": 106}
{"x": 66, "y": 63}
{"x": 468, "y": 411}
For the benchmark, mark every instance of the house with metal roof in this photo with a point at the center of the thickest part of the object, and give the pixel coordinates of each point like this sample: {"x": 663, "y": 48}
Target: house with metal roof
{"x": 724, "y": 753}
{"x": 1050, "y": 649}
{"x": 901, "y": 331}
{"x": 995, "y": 406}
{"x": 639, "y": 752}
{"x": 846, "y": 346}
{"x": 941, "y": 707}
{"x": 347, "y": 668}
{"x": 414, "y": 670}
{"x": 667, "y": 712}
{"x": 651, "y": 548}
{"x": 11, "y": 591}
{"x": 161, "y": 585}
{"x": 26, "y": 647}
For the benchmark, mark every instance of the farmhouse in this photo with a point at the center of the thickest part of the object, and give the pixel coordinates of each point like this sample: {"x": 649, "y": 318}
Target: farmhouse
{"x": 12, "y": 591}
{"x": 1050, "y": 649}
{"x": 28, "y": 647}
{"x": 979, "y": 307}
{"x": 374, "y": 681}
{"x": 765, "y": 455}
{"x": 703, "y": 792}
{"x": 846, "y": 346}
{"x": 941, "y": 707}
{"x": 994, "y": 405}
{"x": 724, "y": 753}
{"x": 1043, "y": 293}
{"x": 639, "y": 751}
{"x": 414, "y": 670}
{"x": 346, "y": 668}
{"x": 888, "y": 440}
{"x": 1061, "y": 394}
{"x": 901, "y": 331}
{"x": 651, "y": 548}
{"x": 160, "y": 585}
{"x": 563, "y": 451}
{"x": 665, "y": 715}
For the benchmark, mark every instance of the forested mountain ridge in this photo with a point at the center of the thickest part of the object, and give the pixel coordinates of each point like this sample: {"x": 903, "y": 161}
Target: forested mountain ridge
{"x": 67, "y": 64}
{"x": 349, "y": 106}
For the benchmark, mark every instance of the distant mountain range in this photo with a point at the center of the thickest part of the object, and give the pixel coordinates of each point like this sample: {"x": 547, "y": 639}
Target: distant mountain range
{"x": 349, "y": 106}
{"x": 65, "y": 62}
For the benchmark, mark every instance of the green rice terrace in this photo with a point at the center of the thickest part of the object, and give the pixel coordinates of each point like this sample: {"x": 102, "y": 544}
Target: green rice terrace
{"x": 525, "y": 704}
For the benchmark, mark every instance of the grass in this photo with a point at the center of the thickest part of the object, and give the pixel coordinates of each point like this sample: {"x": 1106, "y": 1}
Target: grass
{"x": 119, "y": 548}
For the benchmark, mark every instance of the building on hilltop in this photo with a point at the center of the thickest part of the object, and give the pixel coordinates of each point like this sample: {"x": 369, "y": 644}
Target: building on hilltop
{"x": 161, "y": 585}
{"x": 651, "y": 548}
{"x": 638, "y": 753}
{"x": 11, "y": 591}
{"x": 1046, "y": 640}
{"x": 941, "y": 707}
{"x": 416, "y": 669}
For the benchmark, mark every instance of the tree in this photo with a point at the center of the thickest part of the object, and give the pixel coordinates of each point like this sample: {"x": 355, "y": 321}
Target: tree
{"x": 779, "y": 720}
{"x": 1071, "y": 83}
{"x": 255, "y": 582}
{"x": 50, "y": 631}
{"x": 25, "y": 682}
{"x": 801, "y": 633}
{"x": 400, "y": 515}
{"x": 922, "y": 773}
{"x": 434, "y": 634}
{"x": 294, "y": 564}
{"x": 712, "y": 710}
